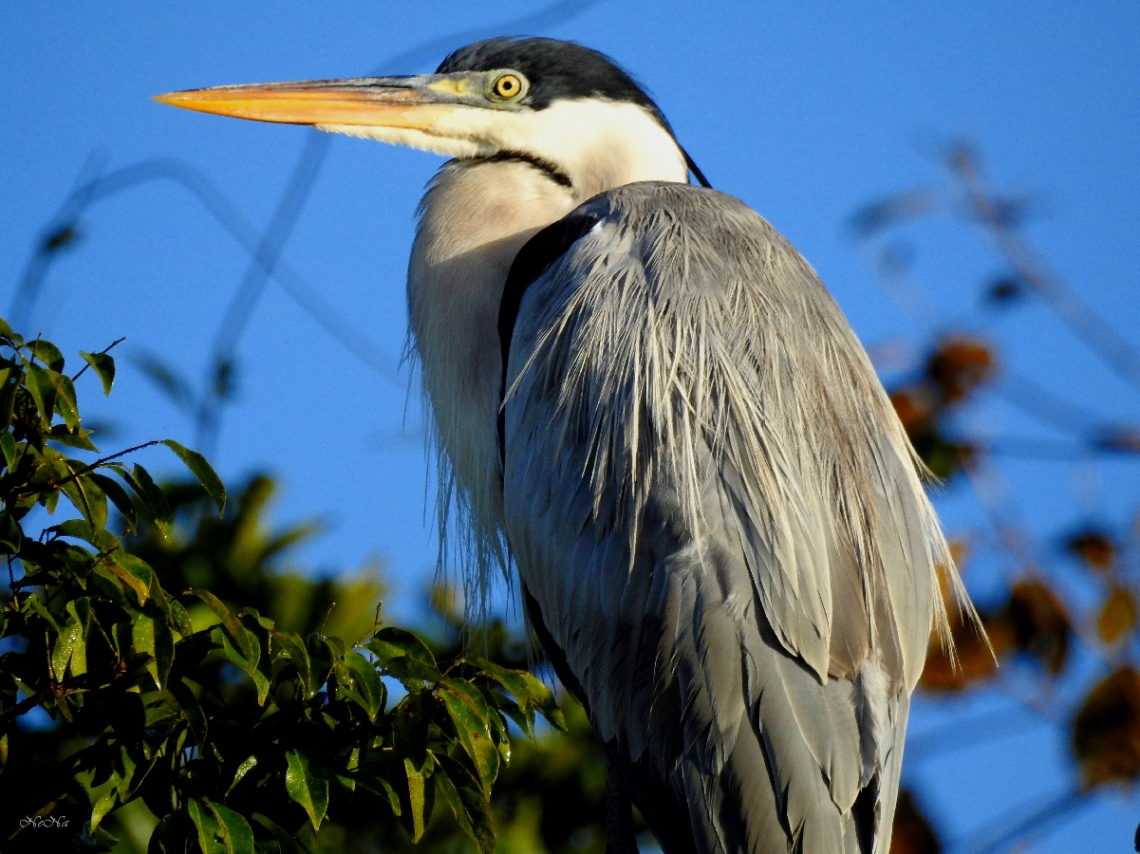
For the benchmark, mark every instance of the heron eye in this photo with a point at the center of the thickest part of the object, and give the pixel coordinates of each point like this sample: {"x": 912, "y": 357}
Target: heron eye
{"x": 507, "y": 86}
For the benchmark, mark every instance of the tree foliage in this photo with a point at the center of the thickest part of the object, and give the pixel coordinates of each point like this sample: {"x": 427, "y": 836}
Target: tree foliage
{"x": 121, "y": 686}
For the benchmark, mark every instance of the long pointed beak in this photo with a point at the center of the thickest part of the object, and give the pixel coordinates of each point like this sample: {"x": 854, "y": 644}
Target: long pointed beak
{"x": 401, "y": 102}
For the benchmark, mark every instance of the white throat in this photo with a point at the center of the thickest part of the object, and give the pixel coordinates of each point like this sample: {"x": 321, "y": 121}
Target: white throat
{"x": 595, "y": 143}
{"x": 474, "y": 219}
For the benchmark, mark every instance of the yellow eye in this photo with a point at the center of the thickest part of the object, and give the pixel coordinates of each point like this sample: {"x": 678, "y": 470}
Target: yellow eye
{"x": 508, "y": 86}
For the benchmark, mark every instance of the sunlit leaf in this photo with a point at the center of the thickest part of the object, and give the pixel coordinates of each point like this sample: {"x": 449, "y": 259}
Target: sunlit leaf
{"x": 102, "y": 806}
{"x": 509, "y": 679}
{"x": 415, "y": 798}
{"x": 305, "y": 787}
{"x": 541, "y": 697}
{"x": 238, "y": 635}
{"x": 134, "y": 572}
{"x": 203, "y": 471}
{"x": 69, "y": 636}
{"x": 39, "y": 385}
{"x": 469, "y": 711}
{"x": 47, "y": 353}
{"x": 153, "y": 637}
{"x": 104, "y": 366}
{"x": 367, "y": 682}
{"x": 65, "y": 402}
{"x": 244, "y": 768}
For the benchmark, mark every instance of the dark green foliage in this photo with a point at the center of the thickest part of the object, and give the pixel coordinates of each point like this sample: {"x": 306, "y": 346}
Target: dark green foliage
{"x": 138, "y": 673}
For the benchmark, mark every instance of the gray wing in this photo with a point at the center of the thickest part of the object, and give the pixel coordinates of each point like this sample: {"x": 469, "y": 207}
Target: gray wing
{"x": 716, "y": 517}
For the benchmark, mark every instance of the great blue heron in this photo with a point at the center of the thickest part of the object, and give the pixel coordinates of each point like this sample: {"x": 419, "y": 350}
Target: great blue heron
{"x": 721, "y": 538}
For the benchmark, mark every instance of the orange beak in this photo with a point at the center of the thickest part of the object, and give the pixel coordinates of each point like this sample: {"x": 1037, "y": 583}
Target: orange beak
{"x": 399, "y": 102}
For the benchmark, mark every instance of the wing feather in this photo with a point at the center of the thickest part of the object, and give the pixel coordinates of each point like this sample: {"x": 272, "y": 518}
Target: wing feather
{"x": 714, "y": 507}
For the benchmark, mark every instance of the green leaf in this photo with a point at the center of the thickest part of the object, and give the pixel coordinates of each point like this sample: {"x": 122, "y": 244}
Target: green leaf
{"x": 203, "y": 471}
{"x": 65, "y": 642}
{"x": 248, "y": 765}
{"x": 32, "y": 603}
{"x": 403, "y": 655}
{"x": 220, "y": 829}
{"x": 237, "y": 835}
{"x": 80, "y": 529}
{"x": 88, "y": 498}
{"x": 65, "y": 402}
{"x": 133, "y": 571}
{"x": 8, "y": 448}
{"x": 209, "y": 831}
{"x": 391, "y": 642}
{"x": 367, "y": 681}
{"x": 468, "y": 803}
{"x": 119, "y": 498}
{"x": 79, "y": 611}
{"x": 39, "y": 385}
{"x": 154, "y": 638}
{"x": 104, "y": 366}
{"x": 72, "y": 438}
{"x": 472, "y": 718}
{"x": 174, "y": 614}
{"x": 242, "y": 642}
{"x": 155, "y": 501}
{"x": 294, "y": 650}
{"x": 320, "y": 656}
{"x": 102, "y": 806}
{"x": 47, "y": 353}
{"x": 307, "y": 788}
{"x": 181, "y": 618}
{"x": 415, "y": 798}
{"x": 512, "y": 680}
{"x": 540, "y": 696}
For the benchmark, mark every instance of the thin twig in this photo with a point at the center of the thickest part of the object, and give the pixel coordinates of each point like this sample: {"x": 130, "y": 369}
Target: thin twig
{"x": 105, "y": 460}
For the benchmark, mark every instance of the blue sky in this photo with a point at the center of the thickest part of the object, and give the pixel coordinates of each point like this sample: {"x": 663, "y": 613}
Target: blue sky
{"x": 807, "y": 111}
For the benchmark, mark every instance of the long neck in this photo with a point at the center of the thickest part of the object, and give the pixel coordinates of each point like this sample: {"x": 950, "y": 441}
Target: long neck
{"x": 475, "y": 218}
{"x": 473, "y": 221}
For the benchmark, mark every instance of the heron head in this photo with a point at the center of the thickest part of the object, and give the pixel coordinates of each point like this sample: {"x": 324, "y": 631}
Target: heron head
{"x": 556, "y": 103}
